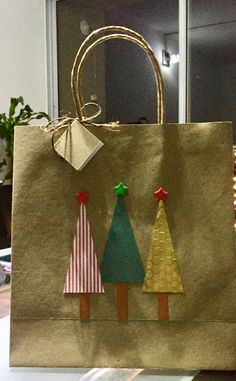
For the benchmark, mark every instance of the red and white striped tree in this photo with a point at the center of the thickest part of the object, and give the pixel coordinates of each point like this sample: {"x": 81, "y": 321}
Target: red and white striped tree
{"x": 83, "y": 275}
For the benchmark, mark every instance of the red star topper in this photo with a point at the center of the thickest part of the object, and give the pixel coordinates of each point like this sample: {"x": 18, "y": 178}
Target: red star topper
{"x": 160, "y": 194}
{"x": 82, "y": 197}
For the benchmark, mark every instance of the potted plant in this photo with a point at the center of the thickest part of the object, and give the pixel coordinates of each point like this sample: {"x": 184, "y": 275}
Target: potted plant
{"x": 19, "y": 115}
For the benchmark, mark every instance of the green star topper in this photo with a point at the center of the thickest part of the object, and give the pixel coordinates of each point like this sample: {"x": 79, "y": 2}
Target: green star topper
{"x": 120, "y": 189}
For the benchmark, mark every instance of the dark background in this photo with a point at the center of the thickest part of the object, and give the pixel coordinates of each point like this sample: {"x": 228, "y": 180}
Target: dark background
{"x": 119, "y": 76}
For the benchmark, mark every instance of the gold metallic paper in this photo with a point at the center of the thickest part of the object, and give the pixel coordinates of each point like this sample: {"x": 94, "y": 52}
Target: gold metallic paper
{"x": 162, "y": 273}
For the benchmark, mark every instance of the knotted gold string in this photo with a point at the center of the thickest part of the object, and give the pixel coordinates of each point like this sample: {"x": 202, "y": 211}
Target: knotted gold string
{"x": 65, "y": 122}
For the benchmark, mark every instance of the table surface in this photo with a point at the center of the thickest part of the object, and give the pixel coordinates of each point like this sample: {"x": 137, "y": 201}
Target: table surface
{"x": 74, "y": 374}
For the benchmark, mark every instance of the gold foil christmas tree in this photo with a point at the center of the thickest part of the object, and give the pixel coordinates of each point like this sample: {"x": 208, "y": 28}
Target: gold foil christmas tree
{"x": 162, "y": 273}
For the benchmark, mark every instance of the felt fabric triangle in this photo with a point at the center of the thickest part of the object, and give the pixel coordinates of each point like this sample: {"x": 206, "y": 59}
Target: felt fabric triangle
{"x": 83, "y": 274}
{"x": 121, "y": 261}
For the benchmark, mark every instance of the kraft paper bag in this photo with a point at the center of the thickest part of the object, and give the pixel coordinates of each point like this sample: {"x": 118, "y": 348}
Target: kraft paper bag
{"x": 55, "y": 322}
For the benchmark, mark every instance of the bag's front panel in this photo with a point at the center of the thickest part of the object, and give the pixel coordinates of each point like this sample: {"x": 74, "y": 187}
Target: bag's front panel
{"x": 192, "y": 161}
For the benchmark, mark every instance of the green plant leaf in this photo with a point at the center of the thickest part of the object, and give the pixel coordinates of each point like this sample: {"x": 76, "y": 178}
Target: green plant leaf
{"x": 3, "y": 117}
{"x": 3, "y": 131}
{"x": 14, "y": 103}
{"x": 28, "y": 109}
{"x": 40, "y": 115}
{"x": 8, "y": 175}
{"x": 23, "y": 117}
{"x": 2, "y": 163}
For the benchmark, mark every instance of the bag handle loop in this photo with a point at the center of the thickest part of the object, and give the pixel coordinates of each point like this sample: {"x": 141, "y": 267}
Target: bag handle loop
{"x": 86, "y": 43}
{"x": 87, "y": 47}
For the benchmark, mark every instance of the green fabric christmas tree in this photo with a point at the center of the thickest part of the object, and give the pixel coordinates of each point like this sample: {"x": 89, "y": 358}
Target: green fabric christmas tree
{"x": 121, "y": 261}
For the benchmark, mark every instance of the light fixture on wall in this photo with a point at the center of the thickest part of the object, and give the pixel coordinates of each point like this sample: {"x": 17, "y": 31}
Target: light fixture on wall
{"x": 174, "y": 58}
{"x": 169, "y": 58}
{"x": 165, "y": 58}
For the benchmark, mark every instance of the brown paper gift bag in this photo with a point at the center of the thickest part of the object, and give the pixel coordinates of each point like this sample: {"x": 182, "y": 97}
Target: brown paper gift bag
{"x": 195, "y": 328}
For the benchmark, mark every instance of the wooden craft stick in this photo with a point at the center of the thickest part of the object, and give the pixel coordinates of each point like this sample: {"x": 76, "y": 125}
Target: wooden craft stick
{"x": 84, "y": 306}
{"x": 122, "y": 301}
{"x": 162, "y": 306}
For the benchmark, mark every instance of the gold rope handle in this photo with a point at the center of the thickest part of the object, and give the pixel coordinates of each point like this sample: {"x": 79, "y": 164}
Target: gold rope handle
{"x": 83, "y": 51}
{"x": 158, "y": 76}
{"x": 87, "y": 42}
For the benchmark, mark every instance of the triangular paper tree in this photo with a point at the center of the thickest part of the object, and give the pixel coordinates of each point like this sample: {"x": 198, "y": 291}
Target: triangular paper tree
{"x": 162, "y": 273}
{"x": 83, "y": 276}
{"x": 121, "y": 263}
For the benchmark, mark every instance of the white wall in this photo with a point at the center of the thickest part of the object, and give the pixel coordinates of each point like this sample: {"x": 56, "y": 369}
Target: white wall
{"x": 23, "y": 69}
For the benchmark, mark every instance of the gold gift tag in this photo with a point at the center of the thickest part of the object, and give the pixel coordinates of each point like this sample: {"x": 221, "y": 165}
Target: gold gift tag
{"x": 77, "y": 145}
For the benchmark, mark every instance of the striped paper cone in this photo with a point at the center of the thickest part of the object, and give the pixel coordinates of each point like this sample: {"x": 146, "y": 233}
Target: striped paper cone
{"x": 83, "y": 275}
